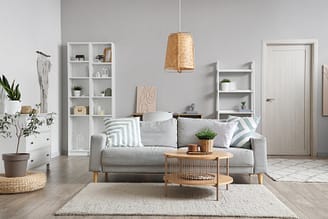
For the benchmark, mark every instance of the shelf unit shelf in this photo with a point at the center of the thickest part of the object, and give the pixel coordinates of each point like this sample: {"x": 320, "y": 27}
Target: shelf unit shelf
{"x": 82, "y": 73}
{"x": 101, "y": 63}
{"x": 236, "y": 91}
{"x": 236, "y": 70}
{"x": 229, "y": 102}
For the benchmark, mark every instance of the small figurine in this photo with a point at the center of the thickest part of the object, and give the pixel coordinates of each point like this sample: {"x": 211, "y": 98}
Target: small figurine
{"x": 191, "y": 109}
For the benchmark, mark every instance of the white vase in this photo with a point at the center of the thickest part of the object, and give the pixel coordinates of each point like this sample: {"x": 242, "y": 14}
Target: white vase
{"x": 225, "y": 86}
{"x": 13, "y": 106}
{"x": 76, "y": 93}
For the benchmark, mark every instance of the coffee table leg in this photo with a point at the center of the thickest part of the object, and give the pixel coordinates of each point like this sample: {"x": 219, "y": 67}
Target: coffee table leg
{"x": 165, "y": 177}
{"x": 217, "y": 178}
{"x": 227, "y": 171}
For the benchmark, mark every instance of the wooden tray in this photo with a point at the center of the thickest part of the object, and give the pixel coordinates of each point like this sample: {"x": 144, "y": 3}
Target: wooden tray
{"x": 198, "y": 153}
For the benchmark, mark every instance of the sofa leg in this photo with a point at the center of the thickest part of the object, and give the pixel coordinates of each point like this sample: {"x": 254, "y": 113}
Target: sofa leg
{"x": 106, "y": 177}
{"x": 260, "y": 178}
{"x": 95, "y": 177}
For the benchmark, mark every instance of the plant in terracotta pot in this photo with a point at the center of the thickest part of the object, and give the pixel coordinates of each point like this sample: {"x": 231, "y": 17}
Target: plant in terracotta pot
{"x": 206, "y": 137}
{"x": 14, "y": 104}
{"x": 14, "y": 125}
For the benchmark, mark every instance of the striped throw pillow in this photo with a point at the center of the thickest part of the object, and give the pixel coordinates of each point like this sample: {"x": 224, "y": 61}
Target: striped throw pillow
{"x": 245, "y": 129}
{"x": 123, "y": 132}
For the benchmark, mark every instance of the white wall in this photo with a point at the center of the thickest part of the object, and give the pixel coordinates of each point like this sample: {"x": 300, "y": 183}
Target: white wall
{"x": 229, "y": 30}
{"x": 27, "y": 26}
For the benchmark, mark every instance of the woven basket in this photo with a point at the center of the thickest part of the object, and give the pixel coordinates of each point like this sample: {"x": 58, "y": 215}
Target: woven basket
{"x": 206, "y": 145}
{"x": 31, "y": 182}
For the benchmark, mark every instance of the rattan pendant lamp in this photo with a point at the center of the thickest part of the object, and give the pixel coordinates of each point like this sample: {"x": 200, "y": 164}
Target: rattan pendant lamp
{"x": 180, "y": 50}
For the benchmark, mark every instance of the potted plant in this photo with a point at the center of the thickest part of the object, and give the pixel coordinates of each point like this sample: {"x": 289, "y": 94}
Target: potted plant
{"x": 243, "y": 105}
{"x": 225, "y": 84}
{"x": 12, "y": 124}
{"x": 206, "y": 137}
{"x": 14, "y": 104}
{"x": 77, "y": 91}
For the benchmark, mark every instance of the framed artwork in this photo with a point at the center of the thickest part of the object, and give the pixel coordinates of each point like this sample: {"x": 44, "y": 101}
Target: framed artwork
{"x": 325, "y": 90}
{"x": 146, "y": 99}
{"x": 107, "y": 54}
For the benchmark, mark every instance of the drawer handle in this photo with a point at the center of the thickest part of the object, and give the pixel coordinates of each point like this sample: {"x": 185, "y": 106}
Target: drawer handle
{"x": 32, "y": 142}
{"x": 48, "y": 155}
{"x": 48, "y": 139}
{"x": 32, "y": 161}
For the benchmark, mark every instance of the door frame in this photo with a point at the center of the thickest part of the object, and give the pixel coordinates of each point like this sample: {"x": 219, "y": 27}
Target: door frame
{"x": 313, "y": 84}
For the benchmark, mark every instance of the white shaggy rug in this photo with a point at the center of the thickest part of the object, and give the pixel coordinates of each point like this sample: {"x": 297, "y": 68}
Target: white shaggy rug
{"x": 298, "y": 170}
{"x": 126, "y": 199}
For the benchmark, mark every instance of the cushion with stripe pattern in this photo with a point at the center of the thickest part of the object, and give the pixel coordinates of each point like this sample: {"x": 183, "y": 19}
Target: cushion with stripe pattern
{"x": 124, "y": 132}
{"x": 245, "y": 129}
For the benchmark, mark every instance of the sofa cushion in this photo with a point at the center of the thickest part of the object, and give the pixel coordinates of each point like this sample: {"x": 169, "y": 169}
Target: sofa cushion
{"x": 245, "y": 129}
{"x": 163, "y": 133}
{"x": 241, "y": 157}
{"x": 123, "y": 132}
{"x": 187, "y": 128}
{"x": 137, "y": 156}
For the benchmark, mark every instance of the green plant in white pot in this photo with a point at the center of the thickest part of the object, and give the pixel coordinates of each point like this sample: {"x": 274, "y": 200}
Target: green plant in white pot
{"x": 14, "y": 104}
{"x": 77, "y": 91}
{"x": 20, "y": 126}
{"x": 225, "y": 84}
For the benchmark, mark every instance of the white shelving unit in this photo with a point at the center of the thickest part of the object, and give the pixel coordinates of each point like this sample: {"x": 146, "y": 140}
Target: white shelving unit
{"x": 93, "y": 76}
{"x": 229, "y": 102}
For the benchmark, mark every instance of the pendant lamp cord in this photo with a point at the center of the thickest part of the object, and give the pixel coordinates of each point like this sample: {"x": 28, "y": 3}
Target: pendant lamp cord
{"x": 180, "y": 5}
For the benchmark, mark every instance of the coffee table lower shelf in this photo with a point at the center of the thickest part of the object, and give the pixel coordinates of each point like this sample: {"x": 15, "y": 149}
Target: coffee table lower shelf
{"x": 176, "y": 179}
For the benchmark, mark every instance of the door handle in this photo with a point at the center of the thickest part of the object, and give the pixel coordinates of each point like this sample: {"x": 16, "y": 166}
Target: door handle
{"x": 270, "y": 100}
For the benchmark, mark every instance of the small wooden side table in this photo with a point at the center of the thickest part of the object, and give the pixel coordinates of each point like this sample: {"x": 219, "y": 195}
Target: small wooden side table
{"x": 201, "y": 170}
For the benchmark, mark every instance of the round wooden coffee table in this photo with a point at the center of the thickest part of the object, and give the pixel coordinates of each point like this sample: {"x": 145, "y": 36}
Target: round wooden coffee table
{"x": 185, "y": 169}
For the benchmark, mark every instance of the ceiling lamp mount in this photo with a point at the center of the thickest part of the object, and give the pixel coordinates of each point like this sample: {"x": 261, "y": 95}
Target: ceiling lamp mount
{"x": 180, "y": 50}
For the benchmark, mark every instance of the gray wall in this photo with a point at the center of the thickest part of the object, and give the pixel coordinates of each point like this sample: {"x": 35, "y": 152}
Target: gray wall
{"x": 27, "y": 26}
{"x": 227, "y": 30}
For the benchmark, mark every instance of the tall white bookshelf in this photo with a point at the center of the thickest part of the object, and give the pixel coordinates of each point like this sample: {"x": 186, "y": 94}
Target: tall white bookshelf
{"x": 229, "y": 102}
{"x": 94, "y": 76}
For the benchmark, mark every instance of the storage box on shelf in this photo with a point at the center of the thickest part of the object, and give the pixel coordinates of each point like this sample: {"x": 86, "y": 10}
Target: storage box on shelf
{"x": 240, "y": 92}
{"x": 96, "y": 75}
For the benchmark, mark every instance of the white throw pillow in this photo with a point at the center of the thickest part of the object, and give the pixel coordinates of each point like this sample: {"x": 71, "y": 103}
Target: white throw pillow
{"x": 124, "y": 132}
{"x": 187, "y": 128}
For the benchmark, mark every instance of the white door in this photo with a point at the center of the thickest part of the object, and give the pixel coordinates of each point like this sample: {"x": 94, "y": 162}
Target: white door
{"x": 286, "y": 106}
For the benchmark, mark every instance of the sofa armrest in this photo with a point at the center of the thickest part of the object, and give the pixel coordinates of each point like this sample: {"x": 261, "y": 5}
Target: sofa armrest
{"x": 98, "y": 143}
{"x": 259, "y": 147}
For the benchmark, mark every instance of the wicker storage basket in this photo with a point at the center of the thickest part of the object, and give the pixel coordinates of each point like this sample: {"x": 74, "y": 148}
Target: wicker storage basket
{"x": 206, "y": 145}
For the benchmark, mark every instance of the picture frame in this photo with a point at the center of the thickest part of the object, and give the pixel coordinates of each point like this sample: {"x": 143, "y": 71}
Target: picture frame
{"x": 108, "y": 54}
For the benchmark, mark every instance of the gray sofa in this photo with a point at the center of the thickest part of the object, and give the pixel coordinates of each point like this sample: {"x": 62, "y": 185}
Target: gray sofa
{"x": 160, "y": 137}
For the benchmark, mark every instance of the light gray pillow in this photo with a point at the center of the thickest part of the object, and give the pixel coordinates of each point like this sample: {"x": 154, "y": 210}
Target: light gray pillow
{"x": 187, "y": 128}
{"x": 159, "y": 133}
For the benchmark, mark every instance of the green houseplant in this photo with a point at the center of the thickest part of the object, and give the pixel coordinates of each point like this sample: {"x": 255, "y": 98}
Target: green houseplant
{"x": 13, "y": 93}
{"x": 206, "y": 137}
{"x": 77, "y": 91}
{"x": 225, "y": 84}
{"x": 19, "y": 126}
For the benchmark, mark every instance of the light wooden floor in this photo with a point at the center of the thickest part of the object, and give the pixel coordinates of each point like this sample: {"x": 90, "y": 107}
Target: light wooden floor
{"x": 67, "y": 176}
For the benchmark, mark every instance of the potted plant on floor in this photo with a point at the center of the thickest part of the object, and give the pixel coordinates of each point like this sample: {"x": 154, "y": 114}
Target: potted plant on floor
{"x": 225, "y": 84}
{"x": 14, "y": 124}
{"x": 206, "y": 137}
{"x": 77, "y": 91}
{"x": 14, "y": 104}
